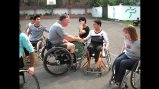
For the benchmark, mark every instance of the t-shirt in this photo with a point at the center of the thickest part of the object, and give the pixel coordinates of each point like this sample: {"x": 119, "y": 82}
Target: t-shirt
{"x": 24, "y": 43}
{"x": 85, "y": 34}
{"x": 132, "y": 50}
{"x": 36, "y": 32}
{"x": 57, "y": 33}
{"x": 98, "y": 37}
{"x": 29, "y": 24}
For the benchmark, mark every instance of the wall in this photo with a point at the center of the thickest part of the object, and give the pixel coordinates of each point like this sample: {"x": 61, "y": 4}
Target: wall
{"x": 31, "y": 12}
{"x": 57, "y": 11}
{"x": 121, "y": 12}
{"x": 97, "y": 12}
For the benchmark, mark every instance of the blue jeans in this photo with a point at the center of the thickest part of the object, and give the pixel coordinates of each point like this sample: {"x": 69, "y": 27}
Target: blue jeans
{"x": 122, "y": 63}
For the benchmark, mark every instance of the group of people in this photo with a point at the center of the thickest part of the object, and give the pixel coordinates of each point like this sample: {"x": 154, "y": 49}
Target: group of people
{"x": 58, "y": 37}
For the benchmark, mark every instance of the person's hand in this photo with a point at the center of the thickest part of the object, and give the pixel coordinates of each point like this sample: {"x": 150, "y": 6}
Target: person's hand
{"x": 65, "y": 41}
{"x": 80, "y": 40}
{"x": 105, "y": 49}
{"x": 31, "y": 70}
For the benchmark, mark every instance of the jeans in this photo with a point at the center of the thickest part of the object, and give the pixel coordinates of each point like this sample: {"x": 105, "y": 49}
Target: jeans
{"x": 122, "y": 63}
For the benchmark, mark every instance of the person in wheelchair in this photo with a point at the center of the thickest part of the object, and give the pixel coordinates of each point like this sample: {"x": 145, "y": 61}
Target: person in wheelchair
{"x": 25, "y": 43}
{"x": 97, "y": 37}
{"x": 130, "y": 53}
{"x": 36, "y": 30}
{"x": 136, "y": 22}
{"x": 59, "y": 38}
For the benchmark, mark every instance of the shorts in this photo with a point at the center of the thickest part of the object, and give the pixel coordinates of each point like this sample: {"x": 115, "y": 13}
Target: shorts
{"x": 26, "y": 52}
{"x": 61, "y": 45}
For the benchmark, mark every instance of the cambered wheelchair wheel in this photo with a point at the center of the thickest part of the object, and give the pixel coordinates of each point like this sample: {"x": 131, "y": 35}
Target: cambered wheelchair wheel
{"x": 112, "y": 80}
{"x": 39, "y": 47}
{"x": 79, "y": 52}
{"x": 108, "y": 59}
{"x": 57, "y": 61}
{"x": 26, "y": 81}
{"x": 43, "y": 53}
{"x": 135, "y": 76}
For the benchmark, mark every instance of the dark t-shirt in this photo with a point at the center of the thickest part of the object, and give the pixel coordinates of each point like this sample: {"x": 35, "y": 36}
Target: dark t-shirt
{"x": 85, "y": 34}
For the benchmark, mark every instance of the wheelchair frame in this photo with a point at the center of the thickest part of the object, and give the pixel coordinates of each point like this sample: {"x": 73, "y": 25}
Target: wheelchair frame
{"x": 123, "y": 84}
{"x": 100, "y": 63}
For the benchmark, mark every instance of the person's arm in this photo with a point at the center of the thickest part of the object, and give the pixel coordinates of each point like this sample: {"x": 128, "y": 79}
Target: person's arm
{"x": 106, "y": 40}
{"x": 88, "y": 37}
{"x": 46, "y": 30}
{"x": 67, "y": 37}
{"x": 31, "y": 67}
{"x": 29, "y": 31}
{"x": 26, "y": 29}
{"x": 26, "y": 43}
{"x": 73, "y": 38}
{"x": 81, "y": 31}
{"x": 65, "y": 41}
{"x": 123, "y": 48}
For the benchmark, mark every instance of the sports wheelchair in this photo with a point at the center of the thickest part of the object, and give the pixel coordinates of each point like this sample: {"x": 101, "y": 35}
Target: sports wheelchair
{"x": 102, "y": 65}
{"x": 134, "y": 76}
{"x": 38, "y": 46}
{"x": 57, "y": 60}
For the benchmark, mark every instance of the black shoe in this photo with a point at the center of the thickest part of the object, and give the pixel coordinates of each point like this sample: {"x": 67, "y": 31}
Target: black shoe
{"x": 74, "y": 67}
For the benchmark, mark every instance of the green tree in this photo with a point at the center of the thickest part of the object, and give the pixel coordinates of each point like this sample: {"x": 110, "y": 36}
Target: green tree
{"x": 93, "y": 3}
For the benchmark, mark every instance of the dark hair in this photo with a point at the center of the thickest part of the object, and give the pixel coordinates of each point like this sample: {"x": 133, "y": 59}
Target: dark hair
{"x": 98, "y": 22}
{"x": 31, "y": 17}
{"x": 63, "y": 17}
{"x": 83, "y": 19}
{"x": 36, "y": 16}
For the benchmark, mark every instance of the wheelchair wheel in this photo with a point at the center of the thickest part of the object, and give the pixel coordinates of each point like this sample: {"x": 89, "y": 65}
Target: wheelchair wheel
{"x": 112, "y": 80}
{"x": 108, "y": 59}
{"x": 57, "y": 61}
{"x": 79, "y": 52}
{"x": 43, "y": 53}
{"x": 135, "y": 76}
{"x": 39, "y": 48}
{"x": 28, "y": 82}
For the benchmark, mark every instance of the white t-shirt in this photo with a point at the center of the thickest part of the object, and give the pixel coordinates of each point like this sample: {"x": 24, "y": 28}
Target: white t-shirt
{"x": 100, "y": 34}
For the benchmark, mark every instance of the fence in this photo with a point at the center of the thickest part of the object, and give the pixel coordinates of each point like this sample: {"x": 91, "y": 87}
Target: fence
{"x": 121, "y": 12}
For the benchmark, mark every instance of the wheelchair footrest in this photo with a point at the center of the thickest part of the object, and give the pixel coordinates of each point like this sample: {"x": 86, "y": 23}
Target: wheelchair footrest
{"x": 91, "y": 70}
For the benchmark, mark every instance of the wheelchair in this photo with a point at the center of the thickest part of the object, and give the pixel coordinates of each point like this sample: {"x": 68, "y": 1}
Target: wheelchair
{"x": 57, "y": 60}
{"x": 38, "y": 46}
{"x": 102, "y": 65}
{"x": 135, "y": 74}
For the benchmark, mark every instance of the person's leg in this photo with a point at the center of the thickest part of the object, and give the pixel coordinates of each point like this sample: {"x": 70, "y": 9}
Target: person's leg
{"x": 117, "y": 63}
{"x": 71, "y": 48}
{"x": 90, "y": 49}
{"x": 34, "y": 43}
{"x": 97, "y": 51}
{"x": 124, "y": 64}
